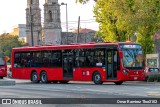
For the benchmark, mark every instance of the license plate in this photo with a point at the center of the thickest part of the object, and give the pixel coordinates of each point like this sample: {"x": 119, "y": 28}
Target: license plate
{"x": 135, "y": 78}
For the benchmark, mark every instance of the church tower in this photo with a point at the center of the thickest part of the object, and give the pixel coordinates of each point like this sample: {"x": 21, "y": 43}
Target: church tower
{"x": 33, "y": 22}
{"x": 52, "y": 23}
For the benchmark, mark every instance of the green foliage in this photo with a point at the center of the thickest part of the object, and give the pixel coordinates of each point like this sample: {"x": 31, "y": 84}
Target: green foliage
{"x": 158, "y": 78}
{"x": 84, "y": 1}
{"x": 120, "y": 19}
{"x": 151, "y": 78}
{"x": 7, "y": 42}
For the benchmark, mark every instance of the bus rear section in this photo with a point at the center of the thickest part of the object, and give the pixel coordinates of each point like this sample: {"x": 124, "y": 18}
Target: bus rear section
{"x": 3, "y": 68}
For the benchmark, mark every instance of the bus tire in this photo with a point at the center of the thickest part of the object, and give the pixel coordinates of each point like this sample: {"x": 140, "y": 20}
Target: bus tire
{"x": 118, "y": 83}
{"x": 1, "y": 77}
{"x": 34, "y": 77}
{"x": 44, "y": 77}
{"x": 97, "y": 79}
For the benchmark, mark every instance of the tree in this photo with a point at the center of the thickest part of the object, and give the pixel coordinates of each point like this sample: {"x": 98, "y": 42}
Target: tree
{"x": 120, "y": 19}
{"x": 84, "y": 1}
{"x": 7, "y": 42}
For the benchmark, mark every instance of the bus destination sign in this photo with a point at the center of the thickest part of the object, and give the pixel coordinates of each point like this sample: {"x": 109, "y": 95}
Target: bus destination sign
{"x": 130, "y": 46}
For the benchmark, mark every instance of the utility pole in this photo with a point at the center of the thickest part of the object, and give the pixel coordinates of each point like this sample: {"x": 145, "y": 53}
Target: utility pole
{"x": 78, "y": 29}
{"x": 31, "y": 23}
{"x": 38, "y": 38}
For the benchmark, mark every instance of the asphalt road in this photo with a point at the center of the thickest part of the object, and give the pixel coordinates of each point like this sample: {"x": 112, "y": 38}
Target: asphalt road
{"x": 26, "y": 89}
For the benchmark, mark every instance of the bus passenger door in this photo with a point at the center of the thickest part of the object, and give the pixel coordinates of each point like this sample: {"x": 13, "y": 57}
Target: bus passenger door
{"x": 67, "y": 66}
{"x": 111, "y": 64}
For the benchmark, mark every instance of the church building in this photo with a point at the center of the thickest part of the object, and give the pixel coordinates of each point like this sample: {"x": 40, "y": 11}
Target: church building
{"x": 33, "y": 19}
{"x": 51, "y": 32}
{"x": 52, "y": 23}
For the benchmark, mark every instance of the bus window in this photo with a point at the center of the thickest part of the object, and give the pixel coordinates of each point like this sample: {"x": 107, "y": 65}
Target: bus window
{"x": 17, "y": 60}
{"x": 115, "y": 60}
{"x": 132, "y": 58}
{"x": 82, "y": 58}
{"x": 56, "y": 59}
{"x": 90, "y": 58}
{"x": 25, "y": 58}
{"x": 1, "y": 61}
{"x": 100, "y": 57}
{"x": 51, "y": 59}
{"x": 36, "y": 59}
{"x": 85, "y": 58}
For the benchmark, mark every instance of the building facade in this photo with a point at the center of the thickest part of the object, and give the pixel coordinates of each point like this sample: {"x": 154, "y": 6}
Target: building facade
{"x": 85, "y": 36}
{"x": 52, "y": 23}
{"x": 33, "y": 22}
{"x": 51, "y": 32}
{"x": 20, "y": 31}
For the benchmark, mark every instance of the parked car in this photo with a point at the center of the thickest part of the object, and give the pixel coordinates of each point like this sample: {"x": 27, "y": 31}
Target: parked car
{"x": 149, "y": 71}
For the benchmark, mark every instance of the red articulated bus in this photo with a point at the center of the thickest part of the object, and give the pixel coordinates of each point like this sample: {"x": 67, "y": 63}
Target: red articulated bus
{"x": 97, "y": 62}
{"x": 3, "y": 67}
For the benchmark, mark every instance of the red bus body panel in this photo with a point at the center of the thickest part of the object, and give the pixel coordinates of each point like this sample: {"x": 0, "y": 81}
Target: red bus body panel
{"x": 80, "y": 74}
{"x": 25, "y": 73}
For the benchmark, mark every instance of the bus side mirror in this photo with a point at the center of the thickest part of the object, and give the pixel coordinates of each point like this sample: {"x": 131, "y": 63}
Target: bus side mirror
{"x": 121, "y": 54}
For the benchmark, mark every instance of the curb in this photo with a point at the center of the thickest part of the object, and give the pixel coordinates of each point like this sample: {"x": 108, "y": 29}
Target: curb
{"x": 7, "y": 82}
{"x": 142, "y": 82}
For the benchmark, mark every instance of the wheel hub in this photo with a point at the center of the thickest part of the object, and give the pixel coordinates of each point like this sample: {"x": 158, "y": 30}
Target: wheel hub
{"x": 34, "y": 77}
{"x": 43, "y": 77}
{"x": 97, "y": 77}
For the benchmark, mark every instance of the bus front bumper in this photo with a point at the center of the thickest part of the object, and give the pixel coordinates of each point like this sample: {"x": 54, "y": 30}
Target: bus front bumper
{"x": 136, "y": 77}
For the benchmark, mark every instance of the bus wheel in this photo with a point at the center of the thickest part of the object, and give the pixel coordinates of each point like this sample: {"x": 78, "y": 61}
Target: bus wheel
{"x": 34, "y": 77}
{"x": 63, "y": 82}
{"x": 44, "y": 77}
{"x": 118, "y": 83}
{"x": 97, "y": 78}
{"x": 1, "y": 77}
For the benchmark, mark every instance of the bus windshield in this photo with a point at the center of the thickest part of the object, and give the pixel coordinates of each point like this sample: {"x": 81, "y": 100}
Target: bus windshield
{"x": 132, "y": 58}
{"x": 1, "y": 61}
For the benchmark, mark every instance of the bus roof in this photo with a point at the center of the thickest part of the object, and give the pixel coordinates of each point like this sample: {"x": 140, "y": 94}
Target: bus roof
{"x": 70, "y": 46}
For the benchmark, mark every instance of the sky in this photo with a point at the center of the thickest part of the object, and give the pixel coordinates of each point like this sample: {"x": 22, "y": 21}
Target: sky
{"x": 12, "y": 12}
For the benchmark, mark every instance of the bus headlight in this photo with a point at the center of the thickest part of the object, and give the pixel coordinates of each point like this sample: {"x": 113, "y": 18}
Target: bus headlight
{"x": 104, "y": 69}
{"x": 125, "y": 72}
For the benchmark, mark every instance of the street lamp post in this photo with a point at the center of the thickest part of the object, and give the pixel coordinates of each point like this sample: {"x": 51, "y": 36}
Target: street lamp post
{"x": 38, "y": 38}
{"x": 66, "y": 19}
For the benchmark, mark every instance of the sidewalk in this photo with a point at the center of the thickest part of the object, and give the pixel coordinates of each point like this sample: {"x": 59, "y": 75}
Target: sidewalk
{"x": 142, "y": 82}
{"x": 7, "y": 82}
